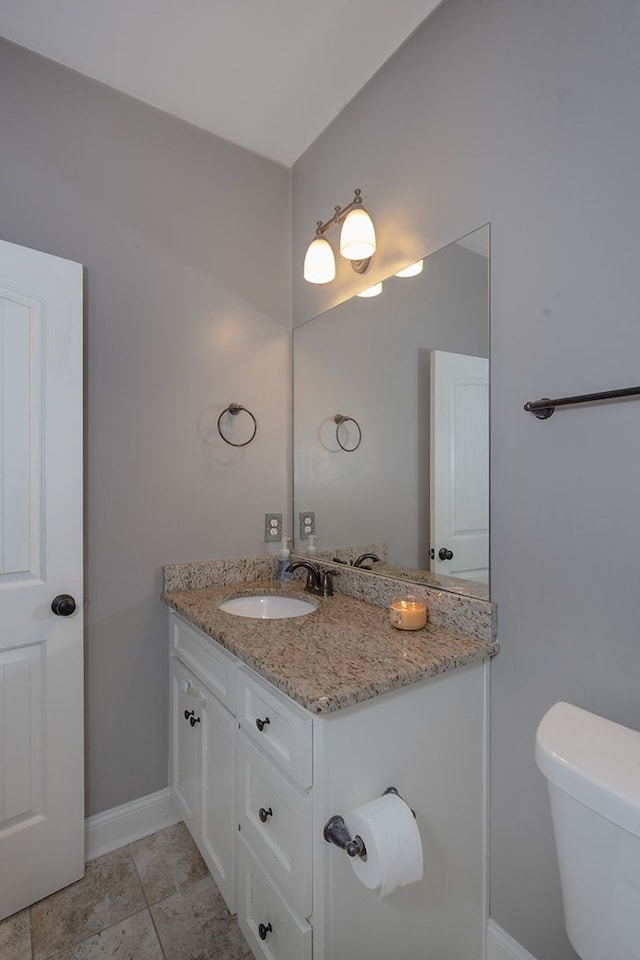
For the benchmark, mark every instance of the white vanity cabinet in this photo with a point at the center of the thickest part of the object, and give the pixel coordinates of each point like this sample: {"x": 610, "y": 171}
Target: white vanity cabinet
{"x": 202, "y": 756}
{"x": 298, "y": 891}
{"x": 297, "y": 895}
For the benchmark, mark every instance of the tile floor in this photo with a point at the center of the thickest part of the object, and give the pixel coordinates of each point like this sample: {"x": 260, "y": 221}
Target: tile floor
{"x": 151, "y": 900}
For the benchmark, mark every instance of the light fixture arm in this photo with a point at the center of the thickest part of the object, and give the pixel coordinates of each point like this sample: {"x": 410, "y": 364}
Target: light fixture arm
{"x": 339, "y": 214}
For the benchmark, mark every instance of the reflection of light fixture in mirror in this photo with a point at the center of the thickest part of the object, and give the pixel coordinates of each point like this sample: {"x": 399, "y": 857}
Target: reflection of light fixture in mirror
{"x": 371, "y": 291}
{"x": 412, "y": 270}
{"x": 357, "y": 242}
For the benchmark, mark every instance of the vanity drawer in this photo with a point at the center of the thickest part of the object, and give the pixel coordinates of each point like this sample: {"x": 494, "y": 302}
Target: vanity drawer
{"x": 277, "y": 726}
{"x": 283, "y": 841}
{"x": 214, "y": 667}
{"x": 260, "y": 904}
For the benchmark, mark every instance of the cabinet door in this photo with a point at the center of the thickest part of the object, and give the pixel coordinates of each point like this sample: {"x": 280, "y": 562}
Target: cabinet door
{"x": 184, "y": 775}
{"x": 219, "y": 822}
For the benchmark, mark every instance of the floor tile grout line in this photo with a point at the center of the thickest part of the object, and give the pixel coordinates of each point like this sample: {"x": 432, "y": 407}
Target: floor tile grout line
{"x": 157, "y": 932}
{"x": 31, "y": 932}
{"x": 137, "y": 873}
{"x": 149, "y": 911}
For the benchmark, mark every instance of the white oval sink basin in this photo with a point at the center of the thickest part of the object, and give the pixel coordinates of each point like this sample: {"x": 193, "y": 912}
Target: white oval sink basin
{"x": 267, "y": 607}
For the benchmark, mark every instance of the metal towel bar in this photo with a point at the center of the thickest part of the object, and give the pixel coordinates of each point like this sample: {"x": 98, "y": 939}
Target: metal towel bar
{"x": 543, "y": 408}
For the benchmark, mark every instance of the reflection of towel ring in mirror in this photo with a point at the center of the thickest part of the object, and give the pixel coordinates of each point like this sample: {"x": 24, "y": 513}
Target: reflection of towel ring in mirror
{"x": 234, "y": 409}
{"x": 339, "y": 419}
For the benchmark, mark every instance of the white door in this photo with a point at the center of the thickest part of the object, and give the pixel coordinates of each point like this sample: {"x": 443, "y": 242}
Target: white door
{"x": 460, "y": 465}
{"x": 41, "y": 677}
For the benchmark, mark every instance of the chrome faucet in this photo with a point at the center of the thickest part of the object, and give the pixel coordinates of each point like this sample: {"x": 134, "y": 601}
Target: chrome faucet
{"x": 318, "y": 582}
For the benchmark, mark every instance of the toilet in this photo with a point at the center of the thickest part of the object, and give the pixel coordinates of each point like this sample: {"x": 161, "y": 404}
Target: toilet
{"x": 592, "y": 766}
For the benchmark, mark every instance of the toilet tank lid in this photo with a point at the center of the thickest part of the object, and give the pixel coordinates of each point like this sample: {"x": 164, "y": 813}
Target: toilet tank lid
{"x": 594, "y": 760}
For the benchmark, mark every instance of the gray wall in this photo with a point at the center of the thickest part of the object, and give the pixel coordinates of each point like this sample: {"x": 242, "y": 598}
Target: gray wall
{"x": 186, "y": 244}
{"x": 525, "y": 114}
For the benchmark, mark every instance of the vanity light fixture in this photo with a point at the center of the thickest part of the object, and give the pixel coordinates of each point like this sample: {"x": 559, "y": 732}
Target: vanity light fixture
{"x": 371, "y": 291}
{"x": 412, "y": 270}
{"x": 357, "y": 242}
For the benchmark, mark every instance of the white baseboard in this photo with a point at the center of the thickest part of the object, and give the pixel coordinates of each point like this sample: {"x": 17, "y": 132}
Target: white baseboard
{"x": 500, "y": 946}
{"x": 131, "y": 821}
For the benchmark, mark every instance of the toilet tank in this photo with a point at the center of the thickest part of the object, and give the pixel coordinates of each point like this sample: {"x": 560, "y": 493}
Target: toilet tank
{"x": 592, "y": 766}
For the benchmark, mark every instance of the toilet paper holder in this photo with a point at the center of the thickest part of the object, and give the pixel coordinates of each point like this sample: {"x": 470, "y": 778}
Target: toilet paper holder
{"x": 335, "y": 831}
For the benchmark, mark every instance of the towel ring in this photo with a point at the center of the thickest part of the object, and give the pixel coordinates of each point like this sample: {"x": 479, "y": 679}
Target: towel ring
{"x": 339, "y": 419}
{"x": 234, "y": 409}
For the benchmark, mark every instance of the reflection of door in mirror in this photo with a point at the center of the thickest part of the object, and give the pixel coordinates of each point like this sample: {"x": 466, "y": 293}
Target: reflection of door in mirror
{"x": 460, "y": 465}
{"x": 369, "y": 359}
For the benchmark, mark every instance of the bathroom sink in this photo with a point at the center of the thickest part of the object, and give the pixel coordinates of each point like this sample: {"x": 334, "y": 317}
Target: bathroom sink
{"x": 268, "y": 607}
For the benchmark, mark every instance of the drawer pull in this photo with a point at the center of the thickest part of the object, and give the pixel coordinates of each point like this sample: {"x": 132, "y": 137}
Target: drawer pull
{"x": 265, "y": 814}
{"x": 263, "y": 931}
{"x": 261, "y": 724}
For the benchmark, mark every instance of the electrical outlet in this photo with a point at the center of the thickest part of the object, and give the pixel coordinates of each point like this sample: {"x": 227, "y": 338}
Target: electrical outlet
{"x": 272, "y": 527}
{"x": 307, "y": 524}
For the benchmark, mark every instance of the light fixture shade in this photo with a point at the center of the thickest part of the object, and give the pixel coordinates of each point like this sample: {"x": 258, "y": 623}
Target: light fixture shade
{"x": 412, "y": 270}
{"x": 371, "y": 291}
{"x": 319, "y": 262}
{"x": 358, "y": 237}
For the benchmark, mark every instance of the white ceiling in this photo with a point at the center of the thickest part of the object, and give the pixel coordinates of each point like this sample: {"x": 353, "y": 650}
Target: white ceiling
{"x": 269, "y": 75}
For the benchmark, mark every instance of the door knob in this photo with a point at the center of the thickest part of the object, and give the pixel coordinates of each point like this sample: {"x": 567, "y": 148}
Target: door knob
{"x": 63, "y": 605}
{"x": 445, "y": 554}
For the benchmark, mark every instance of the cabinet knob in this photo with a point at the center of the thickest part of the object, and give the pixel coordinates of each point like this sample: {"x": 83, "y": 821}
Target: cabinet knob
{"x": 189, "y": 714}
{"x": 265, "y": 814}
{"x": 445, "y": 554}
{"x": 261, "y": 724}
{"x": 193, "y": 720}
{"x": 263, "y": 931}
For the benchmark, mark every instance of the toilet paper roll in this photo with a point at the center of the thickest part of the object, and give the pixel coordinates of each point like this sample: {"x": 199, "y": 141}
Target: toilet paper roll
{"x": 392, "y": 839}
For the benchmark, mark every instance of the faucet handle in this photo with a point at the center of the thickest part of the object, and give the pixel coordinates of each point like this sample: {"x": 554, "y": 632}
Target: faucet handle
{"x": 327, "y": 582}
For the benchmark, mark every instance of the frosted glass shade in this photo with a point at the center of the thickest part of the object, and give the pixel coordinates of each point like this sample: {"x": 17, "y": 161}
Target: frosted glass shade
{"x": 358, "y": 237}
{"x": 319, "y": 262}
{"x": 371, "y": 291}
{"x": 412, "y": 270}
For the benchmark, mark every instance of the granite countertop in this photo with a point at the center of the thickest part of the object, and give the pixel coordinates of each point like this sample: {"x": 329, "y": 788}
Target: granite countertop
{"x": 345, "y": 652}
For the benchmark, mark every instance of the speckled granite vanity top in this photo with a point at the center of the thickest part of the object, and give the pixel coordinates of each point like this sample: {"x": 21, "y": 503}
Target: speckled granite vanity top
{"x": 344, "y": 652}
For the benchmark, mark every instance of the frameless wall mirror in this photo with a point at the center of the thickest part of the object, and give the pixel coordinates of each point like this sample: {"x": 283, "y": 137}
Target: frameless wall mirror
{"x": 391, "y": 425}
